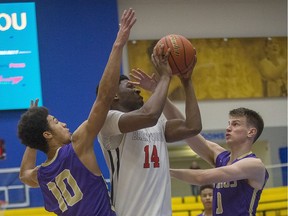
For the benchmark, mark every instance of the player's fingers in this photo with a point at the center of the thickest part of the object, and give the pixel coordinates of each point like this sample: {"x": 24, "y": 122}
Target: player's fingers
{"x": 195, "y": 61}
{"x": 154, "y": 60}
{"x": 134, "y": 83}
{"x": 167, "y": 54}
{"x": 140, "y": 73}
{"x": 134, "y": 76}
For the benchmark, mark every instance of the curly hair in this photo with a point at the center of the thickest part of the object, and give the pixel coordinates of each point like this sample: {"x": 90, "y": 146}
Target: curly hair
{"x": 253, "y": 118}
{"x": 31, "y": 126}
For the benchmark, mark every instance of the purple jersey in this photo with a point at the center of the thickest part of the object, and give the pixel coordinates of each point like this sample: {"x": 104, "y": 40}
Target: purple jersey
{"x": 69, "y": 188}
{"x": 235, "y": 198}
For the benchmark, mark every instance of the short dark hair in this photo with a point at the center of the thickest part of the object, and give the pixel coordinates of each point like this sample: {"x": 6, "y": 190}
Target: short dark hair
{"x": 203, "y": 187}
{"x": 122, "y": 77}
{"x": 253, "y": 118}
{"x": 31, "y": 126}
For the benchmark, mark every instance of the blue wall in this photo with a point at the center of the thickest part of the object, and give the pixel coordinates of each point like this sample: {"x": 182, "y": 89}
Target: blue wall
{"x": 75, "y": 38}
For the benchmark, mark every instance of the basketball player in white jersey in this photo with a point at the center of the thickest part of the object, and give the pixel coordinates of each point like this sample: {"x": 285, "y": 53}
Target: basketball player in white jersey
{"x": 134, "y": 138}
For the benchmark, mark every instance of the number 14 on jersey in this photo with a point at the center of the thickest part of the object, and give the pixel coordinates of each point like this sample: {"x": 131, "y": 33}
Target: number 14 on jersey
{"x": 153, "y": 159}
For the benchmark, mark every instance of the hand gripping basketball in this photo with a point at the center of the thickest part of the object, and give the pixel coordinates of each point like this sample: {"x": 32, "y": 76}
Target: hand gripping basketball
{"x": 182, "y": 53}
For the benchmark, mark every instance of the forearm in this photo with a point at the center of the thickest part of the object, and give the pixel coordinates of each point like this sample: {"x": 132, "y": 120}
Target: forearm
{"x": 155, "y": 104}
{"x": 178, "y": 127}
{"x": 185, "y": 175}
{"x": 195, "y": 176}
{"x": 107, "y": 90}
{"x": 192, "y": 111}
{"x": 171, "y": 111}
{"x": 110, "y": 78}
{"x": 28, "y": 169}
{"x": 28, "y": 160}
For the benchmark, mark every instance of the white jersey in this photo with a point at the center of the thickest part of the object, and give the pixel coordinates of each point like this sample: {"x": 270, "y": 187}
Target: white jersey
{"x": 139, "y": 168}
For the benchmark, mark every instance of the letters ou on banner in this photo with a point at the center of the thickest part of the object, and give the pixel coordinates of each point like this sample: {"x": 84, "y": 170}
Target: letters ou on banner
{"x": 11, "y": 21}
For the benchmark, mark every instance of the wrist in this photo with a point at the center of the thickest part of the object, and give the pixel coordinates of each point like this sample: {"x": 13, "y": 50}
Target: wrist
{"x": 166, "y": 77}
{"x": 118, "y": 45}
{"x": 186, "y": 82}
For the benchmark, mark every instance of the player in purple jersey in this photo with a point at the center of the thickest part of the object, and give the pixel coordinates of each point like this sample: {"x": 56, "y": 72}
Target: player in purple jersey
{"x": 70, "y": 179}
{"x": 239, "y": 175}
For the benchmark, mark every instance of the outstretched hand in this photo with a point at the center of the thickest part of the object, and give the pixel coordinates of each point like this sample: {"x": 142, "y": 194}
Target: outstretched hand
{"x": 128, "y": 19}
{"x": 34, "y": 103}
{"x": 143, "y": 80}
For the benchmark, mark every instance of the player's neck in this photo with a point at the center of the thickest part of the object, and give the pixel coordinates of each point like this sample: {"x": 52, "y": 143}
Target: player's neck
{"x": 52, "y": 152}
{"x": 237, "y": 151}
{"x": 239, "y": 155}
{"x": 51, "y": 155}
{"x": 207, "y": 213}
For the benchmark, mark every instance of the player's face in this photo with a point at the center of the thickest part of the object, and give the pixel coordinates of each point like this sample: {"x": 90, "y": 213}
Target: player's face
{"x": 237, "y": 130}
{"x": 59, "y": 130}
{"x": 129, "y": 96}
{"x": 206, "y": 197}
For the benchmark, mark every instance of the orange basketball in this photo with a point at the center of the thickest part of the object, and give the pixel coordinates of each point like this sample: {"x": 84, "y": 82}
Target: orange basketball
{"x": 182, "y": 55}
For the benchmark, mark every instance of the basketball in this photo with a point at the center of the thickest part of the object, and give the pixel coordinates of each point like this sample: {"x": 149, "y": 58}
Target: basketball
{"x": 182, "y": 54}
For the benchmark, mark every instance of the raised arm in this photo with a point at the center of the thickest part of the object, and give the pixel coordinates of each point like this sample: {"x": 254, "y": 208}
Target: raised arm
{"x": 109, "y": 81}
{"x": 204, "y": 148}
{"x": 179, "y": 128}
{"x": 149, "y": 83}
{"x": 28, "y": 169}
{"x": 107, "y": 87}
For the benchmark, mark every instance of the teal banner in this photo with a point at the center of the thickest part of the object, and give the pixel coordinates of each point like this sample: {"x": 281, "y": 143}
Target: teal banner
{"x": 20, "y": 79}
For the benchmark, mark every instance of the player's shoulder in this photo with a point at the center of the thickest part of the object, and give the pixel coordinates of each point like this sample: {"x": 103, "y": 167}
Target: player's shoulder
{"x": 113, "y": 113}
{"x": 256, "y": 160}
{"x": 251, "y": 156}
{"x": 252, "y": 162}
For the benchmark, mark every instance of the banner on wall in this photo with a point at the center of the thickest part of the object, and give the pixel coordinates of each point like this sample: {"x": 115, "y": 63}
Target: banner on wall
{"x": 20, "y": 79}
{"x": 227, "y": 68}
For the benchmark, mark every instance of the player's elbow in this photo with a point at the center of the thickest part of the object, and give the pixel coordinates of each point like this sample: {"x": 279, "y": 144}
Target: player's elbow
{"x": 21, "y": 178}
{"x": 191, "y": 132}
{"x": 24, "y": 180}
{"x": 194, "y": 127}
{"x": 150, "y": 117}
{"x": 195, "y": 131}
{"x": 30, "y": 181}
{"x": 152, "y": 121}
